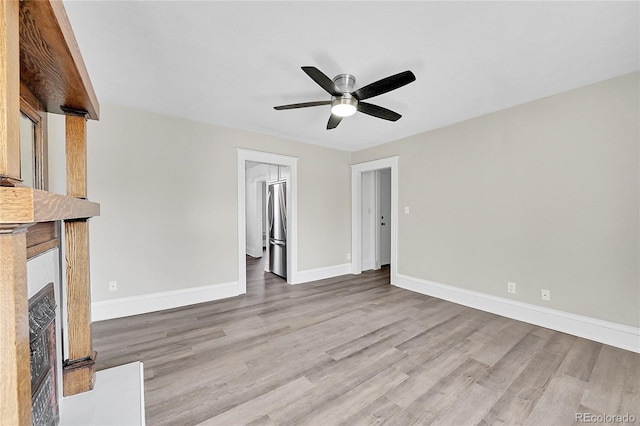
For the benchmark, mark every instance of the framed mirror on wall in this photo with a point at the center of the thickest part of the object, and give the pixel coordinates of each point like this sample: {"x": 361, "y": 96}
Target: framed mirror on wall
{"x": 33, "y": 161}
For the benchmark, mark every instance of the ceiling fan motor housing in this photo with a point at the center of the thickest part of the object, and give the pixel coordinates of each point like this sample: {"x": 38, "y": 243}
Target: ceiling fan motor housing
{"x": 344, "y": 105}
{"x": 345, "y": 82}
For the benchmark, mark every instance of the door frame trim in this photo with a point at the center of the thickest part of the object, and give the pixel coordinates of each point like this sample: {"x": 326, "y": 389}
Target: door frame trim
{"x": 356, "y": 211}
{"x": 245, "y": 155}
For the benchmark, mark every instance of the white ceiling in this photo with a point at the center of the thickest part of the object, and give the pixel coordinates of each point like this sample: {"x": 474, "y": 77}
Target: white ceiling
{"x": 229, "y": 63}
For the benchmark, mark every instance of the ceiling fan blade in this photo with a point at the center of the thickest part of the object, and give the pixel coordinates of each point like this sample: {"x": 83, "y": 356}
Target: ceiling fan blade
{"x": 385, "y": 85}
{"x": 378, "y": 111}
{"x": 334, "y": 120}
{"x": 323, "y": 81}
{"x": 302, "y": 105}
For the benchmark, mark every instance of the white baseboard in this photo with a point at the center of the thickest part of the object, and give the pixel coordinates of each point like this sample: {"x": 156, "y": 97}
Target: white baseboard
{"x": 254, "y": 251}
{"x": 321, "y": 273}
{"x": 135, "y": 305}
{"x": 610, "y": 333}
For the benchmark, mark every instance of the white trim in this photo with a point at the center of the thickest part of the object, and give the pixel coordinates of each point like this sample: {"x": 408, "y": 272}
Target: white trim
{"x": 322, "y": 273}
{"x": 610, "y": 333}
{"x": 254, "y": 251}
{"x": 245, "y": 155}
{"x": 356, "y": 211}
{"x": 135, "y": 305}
{"x": 143, "y": 416}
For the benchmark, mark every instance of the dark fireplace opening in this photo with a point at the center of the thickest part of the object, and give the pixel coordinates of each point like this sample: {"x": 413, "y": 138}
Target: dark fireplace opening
{"x": 42, "y": 338}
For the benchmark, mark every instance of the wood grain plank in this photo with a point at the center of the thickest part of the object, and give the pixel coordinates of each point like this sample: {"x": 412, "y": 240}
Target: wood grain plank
{"x": 9, "y": 90}
{"x": 16, "y": 205}
{"x": 50, "y": 206}
{"x": 446, "y": 391}
{"x": 41, "y": 237}
{"x": 613, "y": 385}
{"x": 498, "y": 344}
{"x": 355, "y": 399}
{"x": 78, "y": 290}
{"x": 76, "y": 155}
{"x": 51, "y": 64}
{"x": 559, "y": 403}
{"x": 519, "y": 398}
{"x": 262, "y": 405}
{"x": 426, "y": 375}
{"x": 38, "y": 249}
{"x": 377, "y": 412}
{"x": 469, "y": 408}
{"x": 41, "y": 233}
{"x": 581, "y": 359}
{"x": 28, "y": 205}
{"x": 15, "y": 386}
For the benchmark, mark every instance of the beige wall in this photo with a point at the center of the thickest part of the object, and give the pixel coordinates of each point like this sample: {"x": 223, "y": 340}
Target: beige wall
{"x": 544, "y": 194}
{"x": 168, "y": 191}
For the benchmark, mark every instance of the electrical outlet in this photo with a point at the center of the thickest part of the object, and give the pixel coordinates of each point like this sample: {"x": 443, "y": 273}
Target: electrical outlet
{"x": 406, "y": 209}
{"x": 348, "y": 256}
{"x": 113, "y": 285}
{"x": 545, "y": 294}
{"x": 511, "y": 287}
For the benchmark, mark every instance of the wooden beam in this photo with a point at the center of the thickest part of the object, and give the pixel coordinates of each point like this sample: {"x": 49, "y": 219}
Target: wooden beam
{"x": 76, "y": 132}
{"x": 51, "y": 64}
{"x": 9, "y": 91}
{"x": 79, "y": 376}
{"x": 79, "y": 368}
{"x": 28, "y": 205}
{"x": 15, "y": 376}
{"x": 78, "y": 296}
{"x": 50, "y": 206}
{"x": 41, "y": 237}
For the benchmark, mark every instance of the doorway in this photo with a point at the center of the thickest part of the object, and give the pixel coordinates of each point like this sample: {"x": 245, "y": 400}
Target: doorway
{"x": 264, "y": 158}
{"x": 376, "y": 219}
{"x": 374, "y": 191}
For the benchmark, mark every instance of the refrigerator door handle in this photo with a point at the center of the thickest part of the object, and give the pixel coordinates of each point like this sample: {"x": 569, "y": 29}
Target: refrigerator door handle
{"x": 283, "y": 209}
{"x": 270, "y": 212}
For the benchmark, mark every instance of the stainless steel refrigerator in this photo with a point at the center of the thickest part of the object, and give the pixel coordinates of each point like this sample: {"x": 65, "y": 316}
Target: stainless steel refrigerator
{"x": 277, "y": 208}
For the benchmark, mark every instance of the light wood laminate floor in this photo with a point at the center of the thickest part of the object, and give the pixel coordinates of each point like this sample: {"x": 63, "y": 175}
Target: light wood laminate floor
{"x": 355, "y": 350}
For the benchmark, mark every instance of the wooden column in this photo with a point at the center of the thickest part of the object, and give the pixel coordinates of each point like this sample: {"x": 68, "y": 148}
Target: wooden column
{"x": 76, "y": 140}
{"x": 15, "y": 376}
{"x": 15, "y": 373}
{"x": 79, "y": 368}
{"x": 9, "y": 93}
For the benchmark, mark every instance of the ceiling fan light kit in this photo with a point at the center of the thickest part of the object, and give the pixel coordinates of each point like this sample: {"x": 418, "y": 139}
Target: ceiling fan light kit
{"x": 344, "y": 105}
{"x": 345, "y": 101}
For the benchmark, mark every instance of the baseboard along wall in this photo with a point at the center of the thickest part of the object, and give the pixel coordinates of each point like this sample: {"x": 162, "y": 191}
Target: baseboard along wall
{"x": 607, "y": 332}
{"x": 610, "y": 333}
{"x": 321, "y": 273}
{"x": 136, "y": 305}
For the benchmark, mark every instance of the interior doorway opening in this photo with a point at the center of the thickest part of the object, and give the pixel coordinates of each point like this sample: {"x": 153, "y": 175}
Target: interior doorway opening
{"x": 266, "y": 214}
{"x": 257, "y": 172}
{"x": 374, "y": 221}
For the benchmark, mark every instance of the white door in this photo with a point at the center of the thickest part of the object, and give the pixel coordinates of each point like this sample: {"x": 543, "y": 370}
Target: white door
{"x": 369, "y": 221}
{"x": 384, "y": 217}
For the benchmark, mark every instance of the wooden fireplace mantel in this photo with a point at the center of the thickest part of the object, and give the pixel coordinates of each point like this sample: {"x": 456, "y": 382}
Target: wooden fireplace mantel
{"x": 21, "y": 205}
{"x": 39, "y": 55}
